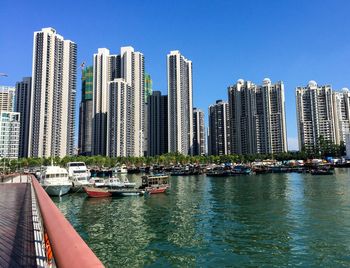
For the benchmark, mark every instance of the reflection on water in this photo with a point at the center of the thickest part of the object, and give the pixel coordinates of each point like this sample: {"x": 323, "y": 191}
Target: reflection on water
{"x": 267, "y": 220}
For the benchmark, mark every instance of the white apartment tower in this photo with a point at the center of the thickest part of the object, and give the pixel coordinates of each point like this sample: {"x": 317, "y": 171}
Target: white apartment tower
{"x": 341, "y": 112}
{"x": 102, "y": 74}
{"x": 315, "y": 115}
{"x": 179, "y": 71}
{"x": 52, "y": 119}
{"x": 115, "y": 75}
{"x": 257, "y": 117}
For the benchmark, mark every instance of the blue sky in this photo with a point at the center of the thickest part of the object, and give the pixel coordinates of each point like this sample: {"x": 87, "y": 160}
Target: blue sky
{"x": 293, "y": 41}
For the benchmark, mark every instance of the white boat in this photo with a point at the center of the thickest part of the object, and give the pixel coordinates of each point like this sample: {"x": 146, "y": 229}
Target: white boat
{"x": 79, "y": 175}
{"x": 97, "y": 182}
{"x": 55, "y": 181}
{"x": 114, "y": 182}
{"x": 128, "y": 184}
{"x": 121, "y": 169}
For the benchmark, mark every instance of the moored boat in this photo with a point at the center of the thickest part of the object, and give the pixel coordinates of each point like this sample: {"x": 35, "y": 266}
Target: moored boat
{"x": 55, "y": 181}
{"x": 155, "y": 184}
{"x": 97, "y": 192}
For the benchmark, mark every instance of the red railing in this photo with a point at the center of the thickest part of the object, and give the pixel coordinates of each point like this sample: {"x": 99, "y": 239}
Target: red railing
{"x": 69, "y": 249}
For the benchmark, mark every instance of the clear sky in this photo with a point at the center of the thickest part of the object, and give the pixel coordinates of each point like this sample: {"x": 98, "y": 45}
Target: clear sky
{"x": 294, "y": 41}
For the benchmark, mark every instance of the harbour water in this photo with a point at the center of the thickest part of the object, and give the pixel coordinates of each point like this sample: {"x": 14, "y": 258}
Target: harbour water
{"x": 269, "y": 220}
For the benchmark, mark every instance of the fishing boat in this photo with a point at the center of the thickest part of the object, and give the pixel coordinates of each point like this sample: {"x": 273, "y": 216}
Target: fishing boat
{"x": 155, "y": 184}
{"x": 97, "y": 192}
{"x": 55, "y": 180}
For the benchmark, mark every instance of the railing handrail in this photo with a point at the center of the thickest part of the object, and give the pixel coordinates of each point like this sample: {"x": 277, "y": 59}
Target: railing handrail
{"x": 69, "y": 249}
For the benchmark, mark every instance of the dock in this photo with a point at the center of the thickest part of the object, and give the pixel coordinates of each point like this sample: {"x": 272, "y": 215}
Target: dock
{"x": 33, "y": 232}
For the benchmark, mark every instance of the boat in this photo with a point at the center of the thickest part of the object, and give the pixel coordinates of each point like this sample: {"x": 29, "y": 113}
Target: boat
{"x": 126, "y": 192}
{"x": 97, "y": 192}
{"x": 321, "y": 171}
{"x": 79, "y": 176}
{"x": 155, "y": 184}
{"x": 97, "y": 182}
{"x": 114, "y": 182}
{"x": 121, "y": 169}
{"x": 128, "y": 184}
{"x": 55, "y": 180}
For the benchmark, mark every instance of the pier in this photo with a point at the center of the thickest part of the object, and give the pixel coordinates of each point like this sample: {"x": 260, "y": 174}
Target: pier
{"x": 33, "y": 232}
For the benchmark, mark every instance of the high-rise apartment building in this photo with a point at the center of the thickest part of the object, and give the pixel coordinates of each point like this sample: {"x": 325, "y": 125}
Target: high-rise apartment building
{"x": 7, "y": 98}
{"x": 315, "y": 115}
{"x": 111, "y": 74}
{"x": 9, "y": 134}
{"x": 120, "y": 135}
{"x": 102, "y": 74}
{"x": 198, "y": 132}
{"x": 219, "y": 129}
{"x": 52, "y": 119}
{"x": 257, "y": 117}
{"x": 179, "y": 71}
{"x": 23, "y": 100}
{"x": 341, "y": 113}
{"x": 85, "y": 112}
{"x": 157, "y": 123}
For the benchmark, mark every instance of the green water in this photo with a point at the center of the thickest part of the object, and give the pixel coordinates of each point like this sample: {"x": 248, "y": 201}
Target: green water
{"x": 270, "y": 220}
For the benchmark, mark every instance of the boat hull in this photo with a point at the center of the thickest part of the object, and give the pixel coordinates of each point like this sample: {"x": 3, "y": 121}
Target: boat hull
{"x": 156, "y": 190}
{"x": 57, "y": 190}
{"x": 97, "y": 192}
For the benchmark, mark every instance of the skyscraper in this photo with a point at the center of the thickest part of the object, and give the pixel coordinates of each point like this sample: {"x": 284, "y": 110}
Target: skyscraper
{"x": 157, "y": 124}
{"x": 315, "y": 115}
{"x": 52, "y": 118}
{"x": 113, "y": 74}
{"x": 219, "y": 129}
{"x": 257, "y": 118}
{"x": 102, "y": 74}
{"x": 179, "y": 71}
{"x": 23, "y": 99}
{"x": 85, "y": 112}
{"x": 198, "y": 132}
{"x": 120, "y": 133}
{"x": 341, "y": 114}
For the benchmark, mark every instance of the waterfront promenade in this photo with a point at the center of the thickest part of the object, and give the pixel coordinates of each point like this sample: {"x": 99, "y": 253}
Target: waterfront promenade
{"x": 33, "y": 232}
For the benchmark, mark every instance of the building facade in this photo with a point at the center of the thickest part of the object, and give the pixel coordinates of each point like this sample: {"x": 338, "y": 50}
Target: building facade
{"x": 85, "y": 112}
{"x": 23, "y": 100}
{"x": 198, "y": 132}
{"x": 7, "y": 98}
{"x": 179, "y": 71}
{"x": 9, "y": 134}
{"x": 257, "y": 118}
{"x": 219, "y": 129}
{"x": 52, "y": 119}
{"x": 120, "y": 133}
{"x": 315, "y": 115}
{"x": 157, "y": 123}
{"x": 111, "y": 74}
{"x": 341, "y": 113}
